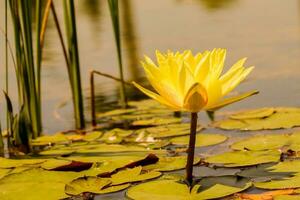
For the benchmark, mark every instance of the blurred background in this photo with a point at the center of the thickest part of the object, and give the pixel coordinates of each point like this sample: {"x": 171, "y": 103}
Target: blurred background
{"x": 267, "y": 32}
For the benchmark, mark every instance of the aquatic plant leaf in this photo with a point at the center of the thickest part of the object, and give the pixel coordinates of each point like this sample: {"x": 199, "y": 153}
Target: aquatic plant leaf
{"x": 202, "y": 139}
{"x": 132, "y": 175}
{"x": 286, "y": 166}
{"x": 35, "y": 183}
{"x": 174, "y": 190}
{"x": 12, "y": 163}
{"x": 156, "y": 121}
{"x": 105, "y": 148}
{"x": 32, "y": 191}
{"x": 91, "y": 136}
{"x": 169, "y": 163}
{"x": 4, "y": 172}
{"x": 244, "y": 158}
{"x": 262, "y": 172}
{"x": 171, "y": 130}
{"x": 113, "y": 188}
{"x": 281, "y": 118}
{"x": 56, "y": 152}
{"x": 263, "y": 142}
{"x": 289, "y": 182}
{"x": 50, "y": 139}
{"x": 256, "y": 113}
{"x": 159, "y": 190}
{"x": 51, "y": 164}
{"x": 218, "y": 191}
{"x": 86, "y": 184}
{"x": 115, "y": 112}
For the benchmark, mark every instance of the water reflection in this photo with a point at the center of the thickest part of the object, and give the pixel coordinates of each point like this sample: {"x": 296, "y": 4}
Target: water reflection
{"x": 129, "y": 37}
{"x": 213, "y": 5}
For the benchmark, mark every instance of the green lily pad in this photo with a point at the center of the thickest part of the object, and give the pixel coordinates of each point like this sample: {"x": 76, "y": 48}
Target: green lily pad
{"x": 12, "y": 163}
{"x": 286, "y": 166}
{"x": 169, "y": 164}
{"x": 244, "y": 158}
{"x": 115, "y": 112}
{"x": 290, "y": 182}
{"x": 132, "y": 175}
{"x": 56, "y": 152}
{"x": 173, "y": 190}
{"x": 171, "y": 130}
{"x": 35, "y": 183}
{"x": 156, "y": 121}
{"x": 86, "y": 184}
{"x": 105, "y": 148}
{"x": 202, "y": 139}
{"x": 263, "y": 142}
{"x": 32, "y": 191}
{"x": 50, "y": 139}
{"x": 91, "y": 136}
{"x": 251, "y": 114}
{"x": 54, "y": 163}
{"x": 280, "y": 118}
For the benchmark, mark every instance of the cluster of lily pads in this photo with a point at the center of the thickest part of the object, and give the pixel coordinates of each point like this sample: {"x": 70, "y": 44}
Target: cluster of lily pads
{"x": 145, "y": 156}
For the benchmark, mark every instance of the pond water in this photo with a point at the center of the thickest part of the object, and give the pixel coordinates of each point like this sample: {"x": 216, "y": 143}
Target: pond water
{"x": 267, "y": 32}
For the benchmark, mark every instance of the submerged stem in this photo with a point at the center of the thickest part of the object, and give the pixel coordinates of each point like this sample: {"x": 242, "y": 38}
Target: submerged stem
{"x": 191, "y": 149}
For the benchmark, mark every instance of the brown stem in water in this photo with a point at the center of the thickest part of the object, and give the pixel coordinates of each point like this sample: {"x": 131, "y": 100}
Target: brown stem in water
{"x": 191, "y": 149}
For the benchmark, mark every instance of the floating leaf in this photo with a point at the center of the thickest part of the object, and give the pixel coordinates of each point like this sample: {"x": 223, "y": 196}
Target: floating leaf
{"x": 173, "y": 190}
{"x": 32, "y": 191}
{"x": 86, "y": 184}
{"x": 91, "y": 136}
{"x": 263, "y": 142}
{"x": 286, "y": 166}
{"x": 244, "y": 158}
{"x": 51, "y": 164}
{"x": 50, "y": 139}
{"x": 281, "y": 118}
{"x": 170, "y": 164}
{"x": 115, "y": 112}
{"x": 12, "y": 163}
{"x": 57, "y": 152}
{"x": 35, "y": 183}
{"x": 290, "y": 182}
{"x": 171, "y": 130}
{"x": 156, "y": 121}
{"x": 256, "y": 113}
{"x": 202, "y": 139}
{"x": 132, "y": 175}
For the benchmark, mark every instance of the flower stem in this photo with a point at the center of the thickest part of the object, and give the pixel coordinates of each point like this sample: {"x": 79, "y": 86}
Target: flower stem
{"x": 191, "y": 149}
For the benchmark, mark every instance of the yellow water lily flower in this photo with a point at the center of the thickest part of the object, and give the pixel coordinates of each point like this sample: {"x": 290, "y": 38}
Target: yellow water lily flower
{"x": 187, "y": 82}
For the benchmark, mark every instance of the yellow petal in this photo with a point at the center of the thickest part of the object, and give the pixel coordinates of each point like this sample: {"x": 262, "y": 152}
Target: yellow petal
{"x": 235, "y": 80}
{"x": 195, "y": 99}
{"x": 231, "y": 100}
{"x": 233, "y": 70}
{"x": 155, "y": 96}
{"x": 214, "y": 90}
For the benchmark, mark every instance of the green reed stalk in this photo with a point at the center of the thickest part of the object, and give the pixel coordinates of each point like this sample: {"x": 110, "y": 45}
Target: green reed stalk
{"x": 25, "y": 67}
{"x": 1, "y": 142}
{"x": 38, "y": 23}
{"x": 114, "y": 13}
{"x": 74, "y": 67}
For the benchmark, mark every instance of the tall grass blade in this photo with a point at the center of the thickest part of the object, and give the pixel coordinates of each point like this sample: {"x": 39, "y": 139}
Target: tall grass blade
{"x": 74, "y": 67}
{"x": 114, "y": 13}
{"x": 25, "y": 66}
